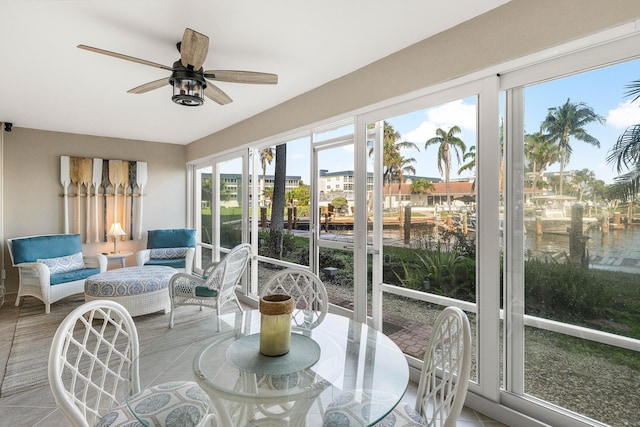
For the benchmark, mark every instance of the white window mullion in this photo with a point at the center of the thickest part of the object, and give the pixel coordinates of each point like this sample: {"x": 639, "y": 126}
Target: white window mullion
{"x": 360, "y": 223}
{"x": 514, "y": 243}
{"x": 488, "y": 240}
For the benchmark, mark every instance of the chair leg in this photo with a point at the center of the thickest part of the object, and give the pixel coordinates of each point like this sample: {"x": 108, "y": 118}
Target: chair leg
{"x": 173, "y": 309}
{"x": 238, "y": 302}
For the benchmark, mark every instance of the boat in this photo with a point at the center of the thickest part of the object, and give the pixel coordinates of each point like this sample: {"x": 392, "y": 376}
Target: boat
{"x": 552, "y": 215}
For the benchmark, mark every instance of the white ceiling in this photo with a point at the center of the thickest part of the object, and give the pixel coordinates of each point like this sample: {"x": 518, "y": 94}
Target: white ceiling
{"x": 50, "y": 84}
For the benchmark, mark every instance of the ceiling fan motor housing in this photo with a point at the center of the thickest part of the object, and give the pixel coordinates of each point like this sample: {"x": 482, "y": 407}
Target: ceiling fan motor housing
{"x": 188, "y": 85}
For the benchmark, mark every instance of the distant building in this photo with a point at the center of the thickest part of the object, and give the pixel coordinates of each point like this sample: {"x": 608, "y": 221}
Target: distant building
{"x": 459, "y": 190}
{"x": 231, "y": 184}
{"x": 339, "y": 184}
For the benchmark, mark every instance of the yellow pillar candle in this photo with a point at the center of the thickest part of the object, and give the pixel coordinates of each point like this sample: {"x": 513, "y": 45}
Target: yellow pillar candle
{"x": 275, "y": 324}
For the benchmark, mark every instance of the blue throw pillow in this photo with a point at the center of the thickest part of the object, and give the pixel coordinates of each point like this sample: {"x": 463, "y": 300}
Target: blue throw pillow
{"x": 64, "y": 264}
{"x": 171, "y": 238}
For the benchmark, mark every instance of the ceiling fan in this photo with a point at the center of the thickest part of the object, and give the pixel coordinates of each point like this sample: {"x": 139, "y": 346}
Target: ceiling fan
{"x": 188, "y": 79}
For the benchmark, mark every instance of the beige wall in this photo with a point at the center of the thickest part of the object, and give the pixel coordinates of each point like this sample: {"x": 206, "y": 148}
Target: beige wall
{"x": 32, "y": 189}
{"x": 518, "y": 28}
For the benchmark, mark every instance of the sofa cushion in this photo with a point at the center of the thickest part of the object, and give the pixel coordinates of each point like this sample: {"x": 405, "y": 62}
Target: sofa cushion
{"x": 171, "y": 238}
{"x": 205, "y": 292}
{"x": 168, "y": 253}
{"x": 30, "y": 249}
{"x": 64, "y": 264}
{"x": 72, "y": 276}
{"x": 175, "y": 262}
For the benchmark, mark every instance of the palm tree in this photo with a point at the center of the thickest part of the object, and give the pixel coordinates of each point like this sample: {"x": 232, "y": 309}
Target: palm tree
{"x": 625, "y": 153}
{"x": 566, "y": 121}
{"x": 400, "y": 167}
{"x": 447, "y": 142}
{"x": 583, "y": 179}
{"x": 266, "y": 156}
{"x": 540, "y": 152}
{"x": 470, "y": 158}
{"x": 395, "y": 164}
{"x": 421, "y": 186}
{"x": 276, "y": 228}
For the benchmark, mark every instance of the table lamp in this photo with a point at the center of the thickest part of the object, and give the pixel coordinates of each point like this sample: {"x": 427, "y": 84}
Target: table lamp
{"x": 116, "y": 231}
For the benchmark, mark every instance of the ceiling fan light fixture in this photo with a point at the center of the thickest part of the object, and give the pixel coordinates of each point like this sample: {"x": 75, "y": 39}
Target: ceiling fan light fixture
{"x": 188, "y": 91}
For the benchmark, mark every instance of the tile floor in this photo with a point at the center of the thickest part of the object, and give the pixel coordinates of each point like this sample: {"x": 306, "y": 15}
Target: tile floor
{"x": 37, "y": 407}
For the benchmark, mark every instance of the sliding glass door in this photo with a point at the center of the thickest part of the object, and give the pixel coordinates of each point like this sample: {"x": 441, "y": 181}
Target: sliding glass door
{"x": 220, "y": 204}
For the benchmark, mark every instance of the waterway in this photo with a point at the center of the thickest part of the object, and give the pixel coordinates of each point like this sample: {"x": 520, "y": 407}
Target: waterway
{"x": 621, "y": 243}
{"x": 616, "y": 250}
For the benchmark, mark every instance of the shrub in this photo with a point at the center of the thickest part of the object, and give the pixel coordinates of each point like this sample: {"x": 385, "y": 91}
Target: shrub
{"x": 564, "y": 291}
{"x": 448, "y": 273}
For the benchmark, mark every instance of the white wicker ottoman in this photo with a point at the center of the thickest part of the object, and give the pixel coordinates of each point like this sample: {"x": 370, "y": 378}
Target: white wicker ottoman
{"x": 141, "y": 290}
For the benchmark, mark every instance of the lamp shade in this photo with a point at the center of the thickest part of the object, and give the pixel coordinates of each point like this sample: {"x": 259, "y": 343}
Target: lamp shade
{"x": 116, "y": 230}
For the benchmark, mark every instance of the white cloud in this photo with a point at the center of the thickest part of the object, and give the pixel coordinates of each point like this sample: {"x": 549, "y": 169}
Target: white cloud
{"x": 453, "y": 113}
{"x": 425, "y": 131}
{"x": 445, "y": 116}
{"x": 626, "y": 114}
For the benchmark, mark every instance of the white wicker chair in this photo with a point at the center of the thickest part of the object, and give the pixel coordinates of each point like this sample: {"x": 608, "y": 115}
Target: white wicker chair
{"x": 443, "y": 382}
{"x": 308, "y": 292}
{"x": 94, "y": 357}
{"x": 217, "y": 285}
{"x": 311, "y": 306}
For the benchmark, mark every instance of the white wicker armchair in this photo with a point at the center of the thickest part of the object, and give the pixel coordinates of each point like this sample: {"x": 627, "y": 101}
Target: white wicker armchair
{"x": 216, "y": 287}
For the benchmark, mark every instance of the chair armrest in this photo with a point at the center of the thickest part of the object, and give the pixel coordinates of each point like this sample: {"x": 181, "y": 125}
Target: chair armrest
{"x": 34, "y": 270}
{"x": 35, "y": 274}
{"x": 143, "y": 256}
{"x": 184, "y": 284}
{"x": 95, "y": 261}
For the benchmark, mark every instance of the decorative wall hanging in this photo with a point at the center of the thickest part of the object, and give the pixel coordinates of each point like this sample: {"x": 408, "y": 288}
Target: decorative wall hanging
{"x": 114, "y": 185}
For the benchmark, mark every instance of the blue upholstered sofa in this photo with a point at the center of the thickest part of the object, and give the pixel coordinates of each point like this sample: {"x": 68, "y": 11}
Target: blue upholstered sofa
{"x": 52, "y": 267}
{"x": 175, "y": 247}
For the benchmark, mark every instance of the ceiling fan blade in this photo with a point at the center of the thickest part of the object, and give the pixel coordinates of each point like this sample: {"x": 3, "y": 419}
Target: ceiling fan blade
{"x": 193, "y": 49}
{"x": 150, "y": 86}
{"x": 125, "y": 57}
{"x": 234, "y": 76}
{"x": 216, "y": 94}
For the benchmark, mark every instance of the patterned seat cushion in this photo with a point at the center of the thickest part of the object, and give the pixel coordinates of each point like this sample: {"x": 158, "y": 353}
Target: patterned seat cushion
{"x": 168, "y": 253}
{"x": 351, "y": 407}
{"x": 174, "y": 404}
{"x": 128, "y": 281}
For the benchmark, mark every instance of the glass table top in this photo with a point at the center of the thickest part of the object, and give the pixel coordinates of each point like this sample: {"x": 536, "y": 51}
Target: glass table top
{"x": 352, "y": 357}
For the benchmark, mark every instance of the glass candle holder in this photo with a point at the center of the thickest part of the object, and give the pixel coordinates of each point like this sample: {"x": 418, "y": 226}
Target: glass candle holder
{"x": 275, "y": 324}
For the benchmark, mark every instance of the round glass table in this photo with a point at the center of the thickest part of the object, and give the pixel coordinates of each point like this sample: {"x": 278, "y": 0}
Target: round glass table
{"x": 222, "y": 355}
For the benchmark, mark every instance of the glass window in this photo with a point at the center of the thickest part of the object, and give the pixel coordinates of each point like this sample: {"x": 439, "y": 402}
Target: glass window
{"x": 581, "y": 269}
{"x": 429, "y": 207}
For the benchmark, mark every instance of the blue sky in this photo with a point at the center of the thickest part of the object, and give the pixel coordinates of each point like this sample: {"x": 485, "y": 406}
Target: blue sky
{"x": 602, "y": 89}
